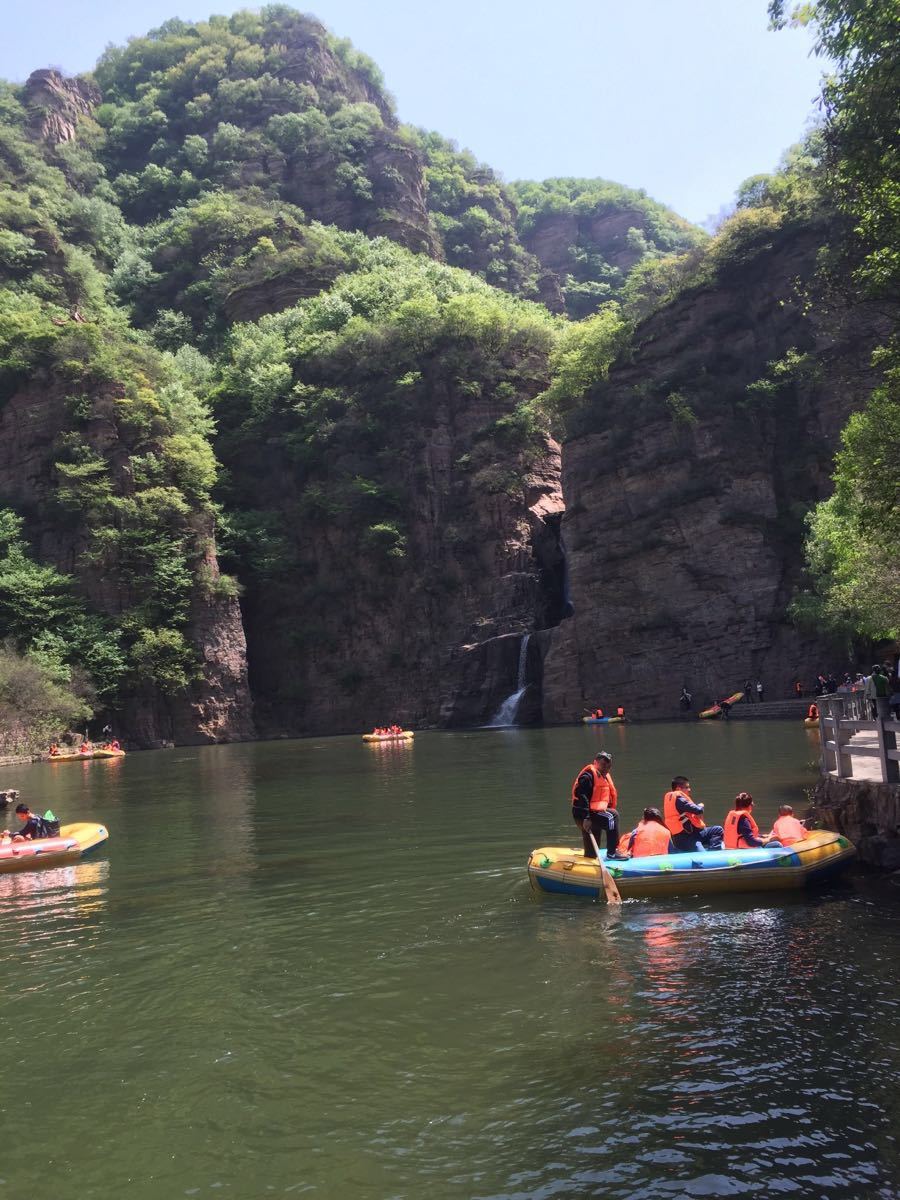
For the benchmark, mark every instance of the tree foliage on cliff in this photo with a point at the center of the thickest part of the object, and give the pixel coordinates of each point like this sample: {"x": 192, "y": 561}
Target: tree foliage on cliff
{"x": 140, "y": 491}
{"x": 608, "y": 229}
{"x": 853, "y": 540}
{"x": 475, "y": 216}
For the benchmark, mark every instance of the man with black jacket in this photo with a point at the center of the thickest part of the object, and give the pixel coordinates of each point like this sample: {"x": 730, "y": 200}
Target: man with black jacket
{"x": 35, "y": 827}
{"x": 594, "y": 801}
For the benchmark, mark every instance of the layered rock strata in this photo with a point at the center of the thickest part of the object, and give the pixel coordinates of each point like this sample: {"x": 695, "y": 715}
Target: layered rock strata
{"x": 686, "y": 491}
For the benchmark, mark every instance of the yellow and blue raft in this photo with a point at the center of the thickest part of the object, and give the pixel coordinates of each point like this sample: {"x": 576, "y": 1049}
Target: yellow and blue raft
{"x": 819, "y": 857}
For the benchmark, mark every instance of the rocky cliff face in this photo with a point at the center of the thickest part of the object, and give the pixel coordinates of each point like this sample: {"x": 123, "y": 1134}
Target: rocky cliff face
{"x": 867, "y": 813}
{"x": 217, "y": 707}
{"x": 685, "y": 494}
{"x": 55, "y": 104}
{"x": 344, "y": 634}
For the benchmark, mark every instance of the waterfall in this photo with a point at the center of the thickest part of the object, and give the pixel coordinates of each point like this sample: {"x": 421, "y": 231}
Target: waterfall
{"x": 508, "y": 710}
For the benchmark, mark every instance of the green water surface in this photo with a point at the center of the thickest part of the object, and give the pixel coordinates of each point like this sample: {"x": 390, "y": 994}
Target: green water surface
{"x": 316, "y": 968}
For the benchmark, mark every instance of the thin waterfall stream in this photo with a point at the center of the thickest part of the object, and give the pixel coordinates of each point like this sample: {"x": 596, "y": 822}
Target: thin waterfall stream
{"x": 508, "y": 711}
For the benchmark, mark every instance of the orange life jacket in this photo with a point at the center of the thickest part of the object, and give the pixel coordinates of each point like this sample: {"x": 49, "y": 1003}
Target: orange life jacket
{"x": 650, "y": 838}
{"x": 788, "y": 830}
{"x": 604, "y": 795}
{"x": 732, "y": 840}
{"x": 675, "y": 821}
{"x": 813, "y": 713}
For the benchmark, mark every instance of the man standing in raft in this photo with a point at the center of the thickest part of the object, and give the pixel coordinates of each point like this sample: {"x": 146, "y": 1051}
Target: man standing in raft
{"x": 684, "y": 819}
{"x": 594, "y": 801}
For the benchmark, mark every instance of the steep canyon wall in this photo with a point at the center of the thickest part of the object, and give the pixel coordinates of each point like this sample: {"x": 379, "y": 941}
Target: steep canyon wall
{"x": 687, "y": 486}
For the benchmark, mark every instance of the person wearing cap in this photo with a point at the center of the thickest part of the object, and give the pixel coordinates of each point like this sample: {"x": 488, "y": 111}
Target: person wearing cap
{"x": 594, "y": 802}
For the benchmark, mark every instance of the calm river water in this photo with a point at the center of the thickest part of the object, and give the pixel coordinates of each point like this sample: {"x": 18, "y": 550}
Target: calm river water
{"x": 317, "y": 968}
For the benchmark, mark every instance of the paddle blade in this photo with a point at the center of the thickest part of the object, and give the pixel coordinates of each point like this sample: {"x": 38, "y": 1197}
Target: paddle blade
{"x": 609, "y": 884}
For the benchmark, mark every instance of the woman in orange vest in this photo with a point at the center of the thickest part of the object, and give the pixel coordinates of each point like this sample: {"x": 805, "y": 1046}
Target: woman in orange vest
{"x": 651, "y": 836}
{"x": 813, "y": 713}
{"x": 787, "y": 829}
{"x": 741, "y": 831}
{"x": 594, "y": 801}
{"x": 683, "y": 817}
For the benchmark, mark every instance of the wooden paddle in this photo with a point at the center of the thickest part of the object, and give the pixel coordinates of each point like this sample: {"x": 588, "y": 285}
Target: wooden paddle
{"x": 609, "y": 884}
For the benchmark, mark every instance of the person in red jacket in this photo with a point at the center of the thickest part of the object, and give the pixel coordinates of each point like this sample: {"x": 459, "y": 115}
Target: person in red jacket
{"x": 651, "y": 836}
{"x": 594, "y": 801}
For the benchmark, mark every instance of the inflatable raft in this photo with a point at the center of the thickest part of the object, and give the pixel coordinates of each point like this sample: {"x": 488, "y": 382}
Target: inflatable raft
{"x": 72, "y": 843}
{"x": 716, "y": 709}
{"x": 603, "y": 720}
{"x": 820, "y": 856}
{"x": 77, "y": 756}
{"x": 406, "y": 736}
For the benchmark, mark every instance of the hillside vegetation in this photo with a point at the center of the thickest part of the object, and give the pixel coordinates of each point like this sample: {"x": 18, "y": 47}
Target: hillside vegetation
{"x": 241, "y": 304}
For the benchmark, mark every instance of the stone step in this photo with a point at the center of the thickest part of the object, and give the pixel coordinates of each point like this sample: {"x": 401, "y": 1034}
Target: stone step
{"x": 770, "y": 710}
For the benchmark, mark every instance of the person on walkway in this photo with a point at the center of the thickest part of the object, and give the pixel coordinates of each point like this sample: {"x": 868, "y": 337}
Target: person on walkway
{"x": 759, "y": 691}
{"x": 686, "y": 699}
{"x": 798, "y": 689}
{"x": 748, "y": 692}
{"x": 787, "y": 829}
{"x": 650, "y": 836}
{"x": 741, "y": 831}
{"x": 683, "y": 817}
{"x": 877, "y": 692}
{"x": 594, "y": 802}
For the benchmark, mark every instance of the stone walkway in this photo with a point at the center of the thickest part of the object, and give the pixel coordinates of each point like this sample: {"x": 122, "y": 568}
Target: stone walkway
{"x": 865, "y": 767}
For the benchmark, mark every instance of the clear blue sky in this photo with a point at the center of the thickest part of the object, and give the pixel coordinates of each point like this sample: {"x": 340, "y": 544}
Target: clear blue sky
{"x": 685, "y": 98}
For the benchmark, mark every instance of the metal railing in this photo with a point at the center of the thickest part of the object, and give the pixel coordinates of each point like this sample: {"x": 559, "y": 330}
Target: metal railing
{"x": 844, "y": 716}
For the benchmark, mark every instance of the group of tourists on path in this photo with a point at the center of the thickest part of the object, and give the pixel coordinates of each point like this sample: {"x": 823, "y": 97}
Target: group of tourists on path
{"x": 678, "y": 829}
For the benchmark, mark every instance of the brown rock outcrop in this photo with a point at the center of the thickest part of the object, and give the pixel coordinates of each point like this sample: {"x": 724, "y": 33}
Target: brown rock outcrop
{"x": 685, "y": 494}
{"x": 55, "y": 104}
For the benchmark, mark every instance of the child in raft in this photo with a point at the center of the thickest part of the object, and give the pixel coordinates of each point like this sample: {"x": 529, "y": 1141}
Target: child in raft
{"x": 651, "y": 836}
{"x": 787, "y": 829}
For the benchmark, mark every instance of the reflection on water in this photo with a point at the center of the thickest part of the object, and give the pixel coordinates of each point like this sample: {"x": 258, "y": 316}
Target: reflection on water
{"x": 317, "y": 967}
{"x": 60, "y": 893}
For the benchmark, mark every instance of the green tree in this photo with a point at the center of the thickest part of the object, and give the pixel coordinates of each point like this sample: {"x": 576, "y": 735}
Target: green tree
{"x": 851, "y": 550}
